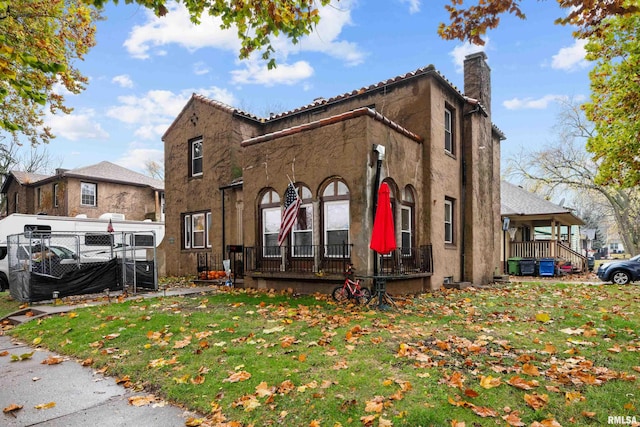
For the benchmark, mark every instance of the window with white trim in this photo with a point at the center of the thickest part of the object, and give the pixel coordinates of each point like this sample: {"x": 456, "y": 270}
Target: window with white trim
{"x": 407, "y": 221}
{"x": 270, "y": 219}
{"x": 195, "y": 231}
{"x": 302, "y": 231}
{"x": 208, "y": 229}
{"x": 448, "y": 131}
{"x": 448, "y": 221}
{"x": 55, "y": 195}
{"x": 88, "y": 193}
{"x": 335, "y": 208}
{"x": 195, "y": 157}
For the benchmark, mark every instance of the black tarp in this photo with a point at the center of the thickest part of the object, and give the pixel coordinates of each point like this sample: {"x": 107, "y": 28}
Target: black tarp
{"x": 89, "y": 279}
{"x": 145, "y": 275}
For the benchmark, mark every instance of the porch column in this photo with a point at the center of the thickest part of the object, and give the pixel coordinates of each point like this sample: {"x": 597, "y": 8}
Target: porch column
{"x": 554, "y": 238}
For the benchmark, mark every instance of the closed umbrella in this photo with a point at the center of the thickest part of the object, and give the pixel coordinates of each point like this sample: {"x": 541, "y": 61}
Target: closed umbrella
{"x": 383, "y": 236}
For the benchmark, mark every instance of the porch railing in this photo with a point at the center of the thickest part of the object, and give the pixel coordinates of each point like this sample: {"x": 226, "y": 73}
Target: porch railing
{"x": 333, "y": 259}
{"x": 548, "y": 249}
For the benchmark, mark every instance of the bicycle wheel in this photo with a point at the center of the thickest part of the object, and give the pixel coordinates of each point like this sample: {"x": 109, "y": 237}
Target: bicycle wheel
{"x": 365, "y": 296}
{"x": 340, "y": 294}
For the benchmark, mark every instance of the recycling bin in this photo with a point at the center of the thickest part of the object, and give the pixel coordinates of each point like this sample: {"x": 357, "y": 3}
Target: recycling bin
{"x": 547, "y": 267}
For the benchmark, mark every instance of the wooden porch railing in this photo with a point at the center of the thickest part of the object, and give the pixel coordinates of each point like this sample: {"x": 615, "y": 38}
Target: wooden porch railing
{"x": 548, "y": 249}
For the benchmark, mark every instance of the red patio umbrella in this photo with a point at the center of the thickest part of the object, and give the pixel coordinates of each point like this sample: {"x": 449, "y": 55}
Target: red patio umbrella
{"x": 383, "y": 236}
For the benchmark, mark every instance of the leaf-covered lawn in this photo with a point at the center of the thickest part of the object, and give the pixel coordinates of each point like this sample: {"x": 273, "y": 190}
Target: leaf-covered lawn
{"x": 519, "y": 355}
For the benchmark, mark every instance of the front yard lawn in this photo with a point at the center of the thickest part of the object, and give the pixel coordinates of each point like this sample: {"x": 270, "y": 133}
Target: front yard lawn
{"x": 524, "y": 354}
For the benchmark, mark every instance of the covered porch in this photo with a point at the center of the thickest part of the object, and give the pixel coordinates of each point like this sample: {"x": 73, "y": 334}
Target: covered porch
{"x": 536, "y": 229}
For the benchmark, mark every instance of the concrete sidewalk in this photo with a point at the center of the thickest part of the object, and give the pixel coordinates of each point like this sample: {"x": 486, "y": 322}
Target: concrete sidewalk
{"x": 82, "y": 397}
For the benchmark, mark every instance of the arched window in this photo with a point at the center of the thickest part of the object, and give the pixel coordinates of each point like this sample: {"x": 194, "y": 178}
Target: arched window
{"x": 335, "y": 210}
{"x": 270, "y": 218}
{"x": 302, "y": 233}
{"x": 407, "y": 221}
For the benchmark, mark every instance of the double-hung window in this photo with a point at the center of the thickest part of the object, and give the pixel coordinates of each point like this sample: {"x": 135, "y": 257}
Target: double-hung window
{"x": 195, "y": 234}
{"x": 302, "y": 231}
{"x": 336, "y": 219}
{"x": 271, "y": 217}
{"x": 56, "y": 201}
{"x": 448, "y": 131}
{"x": 448, "y": 221}
{"x": 407, "y": 221}
{"x": 88, "y": 193}
{"x": 195, "y": 157}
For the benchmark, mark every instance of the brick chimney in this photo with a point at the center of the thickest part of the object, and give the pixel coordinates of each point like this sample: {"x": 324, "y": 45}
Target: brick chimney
{"x": 477, "y": 79}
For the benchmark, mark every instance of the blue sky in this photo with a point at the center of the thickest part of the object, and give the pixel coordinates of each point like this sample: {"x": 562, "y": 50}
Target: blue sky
{"x": 144, "y": 69}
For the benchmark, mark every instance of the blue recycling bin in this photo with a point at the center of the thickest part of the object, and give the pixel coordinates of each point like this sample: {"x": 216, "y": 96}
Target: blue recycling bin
{"x": 547, "y": 267}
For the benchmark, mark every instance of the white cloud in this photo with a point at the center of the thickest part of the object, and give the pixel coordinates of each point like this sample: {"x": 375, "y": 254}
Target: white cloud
{"x": 414, "y": 5}
{"x": 123, "y": 80}
{"x": 257, "y": 73}
{"x": 462, "y": 50}
{"x": 76, "y": 126}
{"x": 200, "y": 68}
{"x": 136, "y": 157}
{"x": 176, "y": 28}
{"x": 532, "y": 103}
{"x": 152, "y": 113}
{"x": 570, "y": 58}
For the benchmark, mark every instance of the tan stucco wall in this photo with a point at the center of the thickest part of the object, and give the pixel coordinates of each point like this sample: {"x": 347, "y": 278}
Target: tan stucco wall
{"x": 344, "y": 149}
{"x": 222, "y": 133}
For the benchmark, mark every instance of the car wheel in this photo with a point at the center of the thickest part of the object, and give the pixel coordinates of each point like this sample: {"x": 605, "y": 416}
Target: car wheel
{"x": 620, "y": 277}
{"x": 4, "y": 283}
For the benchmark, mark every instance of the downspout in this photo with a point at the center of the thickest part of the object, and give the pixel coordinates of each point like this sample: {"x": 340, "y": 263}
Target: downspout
{"x": 224, "y": 236}
{"x": 380, "y": 150}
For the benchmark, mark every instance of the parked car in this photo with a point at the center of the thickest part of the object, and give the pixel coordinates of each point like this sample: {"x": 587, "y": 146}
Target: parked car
{"x": 620, "y": 272}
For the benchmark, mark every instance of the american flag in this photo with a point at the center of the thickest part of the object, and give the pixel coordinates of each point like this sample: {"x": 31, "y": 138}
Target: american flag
{"x": 291, "y": 206}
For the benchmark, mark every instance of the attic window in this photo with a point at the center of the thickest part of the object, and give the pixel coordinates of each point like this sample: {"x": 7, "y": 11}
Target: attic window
{"x": 195, "y": 156}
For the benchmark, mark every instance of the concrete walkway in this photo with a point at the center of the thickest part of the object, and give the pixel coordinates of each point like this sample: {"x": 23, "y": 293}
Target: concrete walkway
{"x": 81, "y": 396}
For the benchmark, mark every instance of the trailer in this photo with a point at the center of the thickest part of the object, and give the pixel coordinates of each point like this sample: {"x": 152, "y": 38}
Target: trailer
{"x": 91, "y": 240}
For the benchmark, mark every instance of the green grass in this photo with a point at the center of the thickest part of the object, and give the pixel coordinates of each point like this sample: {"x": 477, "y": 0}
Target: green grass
{"x": 7, "y": 304}
{"x": 303, "y": 359}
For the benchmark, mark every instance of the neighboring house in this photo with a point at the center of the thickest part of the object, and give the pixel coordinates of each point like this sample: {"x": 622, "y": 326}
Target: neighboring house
{"x": 226, "y": 172}
{"x": 537, "y": 228}
{"x": 90, "y": 191}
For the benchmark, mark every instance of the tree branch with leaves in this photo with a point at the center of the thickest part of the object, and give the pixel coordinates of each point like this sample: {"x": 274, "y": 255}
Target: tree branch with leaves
{"x": 567, "y": 167}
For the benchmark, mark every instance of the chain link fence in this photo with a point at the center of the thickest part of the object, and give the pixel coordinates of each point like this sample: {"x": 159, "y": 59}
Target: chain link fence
{"x": 56, "y": 259}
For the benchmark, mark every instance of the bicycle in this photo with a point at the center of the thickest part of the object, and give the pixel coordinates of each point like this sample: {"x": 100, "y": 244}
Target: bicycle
{"x": 351, "y": 289}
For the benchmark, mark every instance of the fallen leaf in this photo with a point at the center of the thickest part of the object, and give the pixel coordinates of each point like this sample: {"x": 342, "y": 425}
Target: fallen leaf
{"x": 543, "y": 317}
{"x": 52, "y": 360}
{"x": 536, "y": 401}
{"x": 237, "y": 377}
{"x": 45, "y": 405}
{"x": 142, "y": 400}
{"x": 513, "y": 419}
{"x": 489, "y": 382}
{"x": 12, "y": 408}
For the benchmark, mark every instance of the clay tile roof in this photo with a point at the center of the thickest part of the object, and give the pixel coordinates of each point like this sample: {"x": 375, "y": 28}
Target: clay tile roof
{"x": 108, "y": 171}
{"x": 331, "y": 120}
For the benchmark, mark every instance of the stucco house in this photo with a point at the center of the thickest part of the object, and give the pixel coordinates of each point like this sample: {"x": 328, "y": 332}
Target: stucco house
{"x": 91, "y": 190}
{"x": 226, "y": 172}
